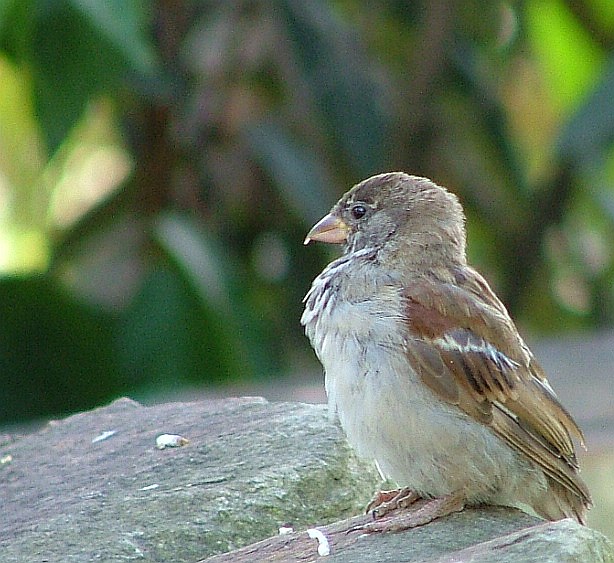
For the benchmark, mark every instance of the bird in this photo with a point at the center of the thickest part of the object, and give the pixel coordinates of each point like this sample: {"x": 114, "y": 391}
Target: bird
{"x": 424, "y": 367}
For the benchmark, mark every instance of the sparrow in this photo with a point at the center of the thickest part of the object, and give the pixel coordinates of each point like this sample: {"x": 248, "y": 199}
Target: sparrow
{"x": 424, "y": 367}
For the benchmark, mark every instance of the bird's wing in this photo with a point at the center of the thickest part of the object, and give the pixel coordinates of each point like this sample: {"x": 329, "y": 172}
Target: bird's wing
{"x": 466, "y": 349}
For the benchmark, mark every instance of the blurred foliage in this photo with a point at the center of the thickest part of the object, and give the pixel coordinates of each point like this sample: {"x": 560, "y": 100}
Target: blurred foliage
{"x": 160, "y": 163}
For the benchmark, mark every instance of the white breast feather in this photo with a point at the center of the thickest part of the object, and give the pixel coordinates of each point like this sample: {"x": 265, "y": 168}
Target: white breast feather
{"x": 387, "y": 413}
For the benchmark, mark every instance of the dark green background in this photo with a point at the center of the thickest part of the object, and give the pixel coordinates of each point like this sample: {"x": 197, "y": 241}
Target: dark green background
{"x": 244, "y": 122}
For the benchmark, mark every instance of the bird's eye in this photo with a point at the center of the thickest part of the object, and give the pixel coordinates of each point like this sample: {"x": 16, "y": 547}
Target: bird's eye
{"x": 358, "y": 211}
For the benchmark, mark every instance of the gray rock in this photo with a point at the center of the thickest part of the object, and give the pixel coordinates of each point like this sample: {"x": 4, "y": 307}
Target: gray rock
{"x": 249, "y": 467}
{"x": 488, "y": 534}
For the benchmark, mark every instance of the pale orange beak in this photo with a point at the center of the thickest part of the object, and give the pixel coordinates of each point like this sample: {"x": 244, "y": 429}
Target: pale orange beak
{"x": 329, "y": 229}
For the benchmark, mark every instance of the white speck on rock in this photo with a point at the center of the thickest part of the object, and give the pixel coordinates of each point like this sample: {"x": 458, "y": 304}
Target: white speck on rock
{"x": 170, "y": 441}
{"x": 106, "y": 434}
{"x": 323, "y": 545}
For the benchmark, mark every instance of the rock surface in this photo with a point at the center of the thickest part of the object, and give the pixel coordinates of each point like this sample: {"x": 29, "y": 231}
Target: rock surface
{"x": 485, "y": 535}
{"x": 94, "y": 487}
{"x": 250, "y": 466}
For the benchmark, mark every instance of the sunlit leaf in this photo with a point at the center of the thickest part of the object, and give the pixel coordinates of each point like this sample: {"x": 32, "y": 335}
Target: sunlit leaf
{"x": 21, "y": 155}
{"x": 570, "y": 59}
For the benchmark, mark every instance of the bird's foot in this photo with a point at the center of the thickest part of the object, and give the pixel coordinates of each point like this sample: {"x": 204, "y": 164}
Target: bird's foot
{"x": 384, "y": 502}
{"x": 425, "y": 512}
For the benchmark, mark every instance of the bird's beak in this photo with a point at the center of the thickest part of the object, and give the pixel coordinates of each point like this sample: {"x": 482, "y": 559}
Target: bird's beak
{"x": 329, "y": 229}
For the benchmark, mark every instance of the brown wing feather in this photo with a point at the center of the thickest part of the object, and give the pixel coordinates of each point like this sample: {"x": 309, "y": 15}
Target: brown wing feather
{"x": 472, "y": 282}
{"x": 554, "y": 466}
{"x": 466, "y": 349}
{"x": 431, "y": 364}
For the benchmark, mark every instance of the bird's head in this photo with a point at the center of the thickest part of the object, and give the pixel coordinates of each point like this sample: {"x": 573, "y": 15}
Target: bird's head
{"x": 407, "y": 216}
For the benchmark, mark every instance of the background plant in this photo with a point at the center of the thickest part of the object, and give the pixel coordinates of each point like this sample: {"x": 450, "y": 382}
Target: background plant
{"x": 161, "y": 161}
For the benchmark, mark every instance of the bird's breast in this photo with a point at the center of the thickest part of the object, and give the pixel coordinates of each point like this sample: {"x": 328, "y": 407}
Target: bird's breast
{"x": 356, "y": 328}
{"x": 386, "y": 411}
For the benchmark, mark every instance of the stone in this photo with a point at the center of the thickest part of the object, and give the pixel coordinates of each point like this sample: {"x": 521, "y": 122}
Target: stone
{"x": 97, "y": 487}
{"x": 249, "y": 467}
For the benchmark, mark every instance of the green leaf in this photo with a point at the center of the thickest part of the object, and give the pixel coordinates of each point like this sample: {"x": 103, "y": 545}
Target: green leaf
{"x": 56, "y": 354}
{"x": 302, "y": 178}
{"x": 168, "y": 339}
{"x": 214, "y": 282}
{"x": 75, "y": 50}
{"x": 71, "y": 64}
{"x": 589, "y": 133}
{"x": 123, "y": 23}
{"x": 570, "y": 59}
{"x": 340, "y": 79}
{"x": 17, "y": 28}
